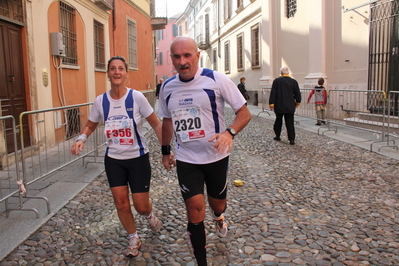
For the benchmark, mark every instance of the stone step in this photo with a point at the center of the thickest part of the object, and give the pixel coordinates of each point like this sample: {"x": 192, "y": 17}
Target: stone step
{"x": 372, "y": 125}
{"x": 378, "y": 118}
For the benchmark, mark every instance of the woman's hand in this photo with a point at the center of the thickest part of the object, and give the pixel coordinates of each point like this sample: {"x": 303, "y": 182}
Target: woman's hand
{"x": 77, "y": 147}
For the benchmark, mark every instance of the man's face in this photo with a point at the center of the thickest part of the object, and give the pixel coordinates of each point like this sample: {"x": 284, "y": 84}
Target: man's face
{"x": 185, "y": 58}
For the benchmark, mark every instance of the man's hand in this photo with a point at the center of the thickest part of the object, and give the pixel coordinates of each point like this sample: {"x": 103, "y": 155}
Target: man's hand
{"x": 169, "y": 161}
{"x": 223, "y": 143}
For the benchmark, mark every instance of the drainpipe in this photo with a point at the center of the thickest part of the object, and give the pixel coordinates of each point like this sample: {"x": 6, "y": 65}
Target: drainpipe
{"x": 114, "y": 22}
{"x": 189, "y": 3}
{"x": 218, "y": 28}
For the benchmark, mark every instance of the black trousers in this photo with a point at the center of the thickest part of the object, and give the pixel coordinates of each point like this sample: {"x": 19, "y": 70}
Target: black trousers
{"x": 289, "y": 124}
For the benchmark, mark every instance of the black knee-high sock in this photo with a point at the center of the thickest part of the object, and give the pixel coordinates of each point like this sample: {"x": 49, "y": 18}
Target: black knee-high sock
{"x": 196, "y": 232}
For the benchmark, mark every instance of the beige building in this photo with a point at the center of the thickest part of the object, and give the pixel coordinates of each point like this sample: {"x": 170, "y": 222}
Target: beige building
{"x": 255, "y": 38}
{"x": 53, "y": 54}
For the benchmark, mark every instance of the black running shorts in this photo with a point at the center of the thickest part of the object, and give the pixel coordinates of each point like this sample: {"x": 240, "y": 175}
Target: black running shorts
{"x": 192, "y": 178}
{"x": 136, "y": 172}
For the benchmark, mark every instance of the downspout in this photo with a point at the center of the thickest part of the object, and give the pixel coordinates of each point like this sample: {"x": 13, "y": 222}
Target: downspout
{"x": 113, "y": 22}
{"x": 218, "y": 3}
{"x": 189, "y": 3}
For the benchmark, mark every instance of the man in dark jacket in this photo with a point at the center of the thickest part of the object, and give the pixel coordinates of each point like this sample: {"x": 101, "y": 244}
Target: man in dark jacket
{"x": 285, "y": 97}
{"x": 158, "y": 87}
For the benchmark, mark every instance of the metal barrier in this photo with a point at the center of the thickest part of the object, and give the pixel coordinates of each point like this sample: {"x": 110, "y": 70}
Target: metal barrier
{"x": 52, "y": 132}
{"x": 264, "y": 100}
{"x": 11, "y": 183}
{"x": 360, "y": 109}
{"x": 391, "y": 113}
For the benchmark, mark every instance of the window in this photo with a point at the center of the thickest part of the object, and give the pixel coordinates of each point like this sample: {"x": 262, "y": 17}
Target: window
{"x": 207, "y": 28}
{"x": 68, "y": 31}
{"x": 215, "y": 16}
{"x": 201, "y": 62}
{"x": 132, "y": 43}
{"x": 200, "y": 30}
{"x": 255, "y": 46}
{"x": 291, "y": 8}
{"x": 158, "y": 36}
{"x": 215, "y": 59}
{"x": 227, "y": 57}
{"x": 160, "y": 58}
{"x": 240, "y": 45}
{"x": 227, "y": 9}
{"x": 12, "y": 10}
{"x": 99, "y": 46}
{"x": 175, "y": 30}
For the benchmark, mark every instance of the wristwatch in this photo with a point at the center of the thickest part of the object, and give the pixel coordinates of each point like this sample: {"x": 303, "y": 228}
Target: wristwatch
{"x": 231, "y": 131}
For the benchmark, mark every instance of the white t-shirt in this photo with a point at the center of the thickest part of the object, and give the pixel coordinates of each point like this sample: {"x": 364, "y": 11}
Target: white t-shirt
{"x": 197, "y": 111}
{"x": 123, "y": 123}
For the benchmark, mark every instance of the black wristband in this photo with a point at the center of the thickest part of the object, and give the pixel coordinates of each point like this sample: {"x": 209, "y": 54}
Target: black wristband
{"x": 165, "y": 149}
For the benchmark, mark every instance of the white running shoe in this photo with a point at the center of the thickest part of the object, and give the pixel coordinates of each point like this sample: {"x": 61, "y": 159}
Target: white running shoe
{"x": 221, "y": 226}
{"x": 132, "y": 249}
{"x": 155, "y": 223}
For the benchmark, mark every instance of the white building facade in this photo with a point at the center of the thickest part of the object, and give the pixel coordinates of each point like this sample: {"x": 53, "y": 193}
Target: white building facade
{"x": 255, "y": 38}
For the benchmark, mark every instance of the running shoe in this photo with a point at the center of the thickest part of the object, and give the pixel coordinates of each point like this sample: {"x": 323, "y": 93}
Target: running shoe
{"x": 221, "y": 226}
{"x": 132, "y": 249}
{"x": 155, "y": 223}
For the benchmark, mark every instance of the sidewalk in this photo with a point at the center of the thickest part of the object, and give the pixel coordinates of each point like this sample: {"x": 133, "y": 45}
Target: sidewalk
{"x": 361, "y": 138}
{"x": 59, "y": 189}
{"x": 72, "y": 181}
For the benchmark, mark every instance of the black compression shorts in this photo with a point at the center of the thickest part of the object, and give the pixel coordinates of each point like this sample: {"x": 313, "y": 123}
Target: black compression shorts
{"x": 192, "y": 178}
{"x": 136, "y": 172}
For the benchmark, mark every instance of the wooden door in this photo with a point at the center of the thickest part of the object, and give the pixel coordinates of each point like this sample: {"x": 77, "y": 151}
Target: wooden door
{"x": 12, "y": 85}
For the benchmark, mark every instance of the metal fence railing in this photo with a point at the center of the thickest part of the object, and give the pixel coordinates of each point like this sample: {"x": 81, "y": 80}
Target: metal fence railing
{"x": 363, "y": 109}
{"x": 390, "y": 121}
{"x": 52, "y": 132}
{"x": 11, "y": 183}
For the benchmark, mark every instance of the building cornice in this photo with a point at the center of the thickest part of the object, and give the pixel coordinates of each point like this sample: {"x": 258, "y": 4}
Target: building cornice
{"x": 232, "y": 27}
{"x": 94, "y": 8}
{"x": 138, "y": 8}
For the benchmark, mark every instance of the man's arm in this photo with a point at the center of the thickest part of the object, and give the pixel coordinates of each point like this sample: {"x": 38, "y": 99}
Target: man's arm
{"x": 168, "y": 160}
{"x": 243, "y": 116}
{"x": 272, "y": 96}
{"x": 224, "y": 140}
{"x": 297, "y": 93}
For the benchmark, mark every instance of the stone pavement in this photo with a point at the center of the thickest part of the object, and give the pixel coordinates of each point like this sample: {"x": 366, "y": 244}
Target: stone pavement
{"x": 320, "y": 202}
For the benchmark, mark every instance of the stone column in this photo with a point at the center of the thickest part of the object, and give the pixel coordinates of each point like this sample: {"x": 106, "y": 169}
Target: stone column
{"x": 269, "y": 30}
{"x": 317, "y": 43}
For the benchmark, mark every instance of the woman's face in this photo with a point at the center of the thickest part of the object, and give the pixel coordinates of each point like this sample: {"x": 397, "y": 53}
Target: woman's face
{"x": 117, "y": 73}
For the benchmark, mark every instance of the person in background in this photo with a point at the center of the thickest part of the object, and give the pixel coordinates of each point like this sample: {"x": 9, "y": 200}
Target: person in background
{"x": 126, "y": 161}
{"x": 320, "y": 100}
{"x": 192, "y": 106}
{"x": 285, "y": 97}
{"x": 241, "y": 87}
{"x": 158, "y": 87}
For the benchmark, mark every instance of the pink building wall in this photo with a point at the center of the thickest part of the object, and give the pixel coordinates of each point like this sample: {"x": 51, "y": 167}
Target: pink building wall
{"x": 166, "y": 69}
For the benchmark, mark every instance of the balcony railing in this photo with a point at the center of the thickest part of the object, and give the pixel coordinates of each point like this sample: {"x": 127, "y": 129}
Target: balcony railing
{"x": 104, "y": 4}
{"x": 203, "y": 42}
{"x": 158, "y": 14}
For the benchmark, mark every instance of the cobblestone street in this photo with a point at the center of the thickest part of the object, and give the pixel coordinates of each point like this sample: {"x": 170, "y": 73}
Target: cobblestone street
{"x": 319, "y": 202}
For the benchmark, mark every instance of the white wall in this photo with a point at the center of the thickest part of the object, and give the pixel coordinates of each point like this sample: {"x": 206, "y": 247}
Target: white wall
{"x": 320, "y": 40}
